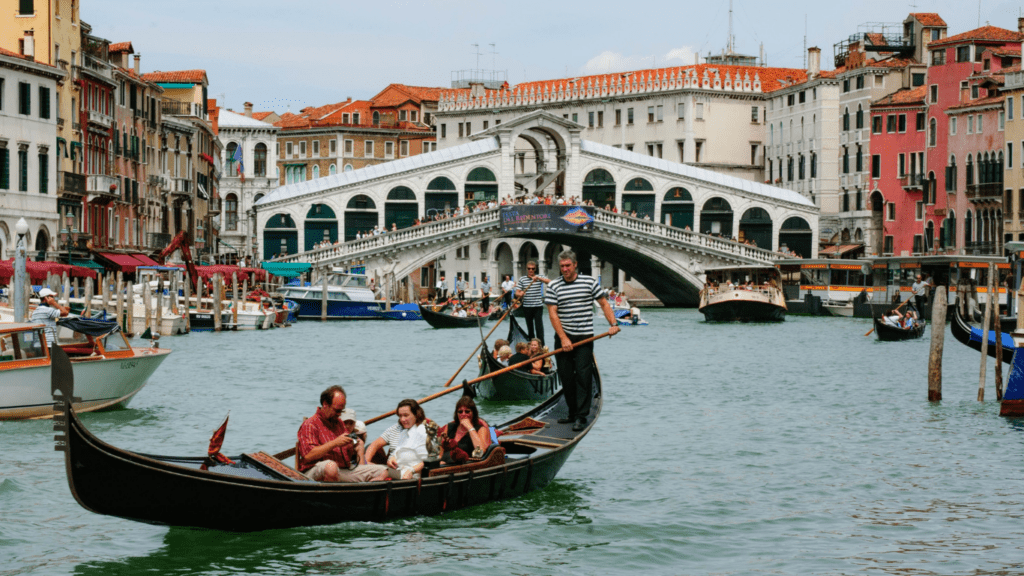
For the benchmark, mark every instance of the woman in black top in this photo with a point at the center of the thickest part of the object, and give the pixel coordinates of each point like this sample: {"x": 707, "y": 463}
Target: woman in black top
{"x": 465, "y": 434}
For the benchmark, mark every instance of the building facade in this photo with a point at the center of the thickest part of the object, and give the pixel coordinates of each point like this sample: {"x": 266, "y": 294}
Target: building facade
{"x": 1013, "y": 168}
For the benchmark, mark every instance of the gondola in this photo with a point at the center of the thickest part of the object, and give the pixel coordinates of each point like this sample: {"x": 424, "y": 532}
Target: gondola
{"x": 516, "y": 384}
{"x": 971, "y": 336}
{"x": 259, "y": 492}
{"x": 438, "y": 320}
{"x": 887, "y": 333}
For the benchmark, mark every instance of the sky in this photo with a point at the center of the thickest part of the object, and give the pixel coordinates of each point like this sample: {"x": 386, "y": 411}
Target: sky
{"x": 288, "y": 55}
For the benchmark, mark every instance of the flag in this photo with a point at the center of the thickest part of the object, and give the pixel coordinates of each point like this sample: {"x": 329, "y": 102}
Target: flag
{"x": 216, "y": 441}
{"x": 237, "y": 159}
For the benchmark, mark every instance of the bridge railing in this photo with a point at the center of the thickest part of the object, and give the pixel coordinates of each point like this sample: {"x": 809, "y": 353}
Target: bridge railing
{"x": 339, "y": 252}
{"x": 680, "y": 235}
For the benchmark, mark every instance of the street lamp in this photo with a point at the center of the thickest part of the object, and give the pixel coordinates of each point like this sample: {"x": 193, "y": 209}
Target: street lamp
{"x": 20, "y": 279}
{"x": 69, "y": 234}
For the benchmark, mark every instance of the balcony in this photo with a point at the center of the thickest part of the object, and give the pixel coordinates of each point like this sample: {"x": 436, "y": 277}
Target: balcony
{"x": 70, "y": 182}
{"x": 214, "y": 206}
{"x": 182, "y": 186}
{"x": 158, "y": 241}
{"x": 103, "y": 186}
{"x": 173, "y": 108}
{"x": 912, "y": 182}
{"x": 156, "y": 180}
{"x": 987, "y": 191}
{"x": 100, "y": 119}
{"x": 981, "y": 248}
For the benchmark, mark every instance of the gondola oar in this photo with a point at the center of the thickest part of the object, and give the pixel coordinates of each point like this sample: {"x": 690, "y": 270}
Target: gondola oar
{"x": 896, "y": 308}
{"x": 484, "y": 339}
{"x": 291, "y": 451}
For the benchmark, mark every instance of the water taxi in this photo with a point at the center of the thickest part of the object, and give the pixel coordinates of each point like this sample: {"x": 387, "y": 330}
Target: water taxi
{"x": 349, "y": 297}
{"x": 743, "y": 293}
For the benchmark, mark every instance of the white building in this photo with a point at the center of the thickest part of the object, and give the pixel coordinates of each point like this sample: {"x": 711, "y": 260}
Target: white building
{"x": 258, "y": 142}
{"x": 28, "y": 153}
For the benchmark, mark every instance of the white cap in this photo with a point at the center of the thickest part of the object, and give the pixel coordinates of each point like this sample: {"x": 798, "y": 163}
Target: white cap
{"x": 360, "y": 427}
{"x": 46, "y": 292}
{"x": 347, "y": 414}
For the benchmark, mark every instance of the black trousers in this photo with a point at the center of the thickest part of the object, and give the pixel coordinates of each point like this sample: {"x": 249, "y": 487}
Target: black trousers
{"x": 534, "y": 318}
{"x": 486, "y": 302}
{"x": 576, "y": 372}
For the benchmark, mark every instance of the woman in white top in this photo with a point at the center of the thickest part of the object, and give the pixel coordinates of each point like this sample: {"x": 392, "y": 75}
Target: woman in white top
{"x": 406, "y": 441}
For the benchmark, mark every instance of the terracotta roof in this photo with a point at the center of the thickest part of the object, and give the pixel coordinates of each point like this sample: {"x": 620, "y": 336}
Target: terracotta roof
{"x": 890, "y": 63}
{"x": 876, "y": 39}
{"x": 929, "y": 18}
{"x": 261, "y": 115}
{"x": 4, "y": 52}
{"x": 990, "y": 101}
{"x": 180, "y": 76}
{"x": 983, "y": 34}
{"x": 903, "y": 96}
{"x": 121, "y": 47}
{"x": 771, "y": 78}
{"x": 398, "y": 94}
{"x": 213, "y": 113}
{"x": 1003, "y": 52}
{"x": 1009, "y": 69}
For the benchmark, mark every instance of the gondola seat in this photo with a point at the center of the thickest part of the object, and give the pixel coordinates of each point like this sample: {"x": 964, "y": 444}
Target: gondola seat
{"x": 493, "y": 456}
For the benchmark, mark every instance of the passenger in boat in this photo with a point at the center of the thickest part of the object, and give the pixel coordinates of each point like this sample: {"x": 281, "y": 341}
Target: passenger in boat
{"x": 327, "y": 449}
{"x": 406, "y": 441}
{"x": 892, "y": 318}
{"x": 522, "y": 354}
{"x": 47, "y": 313}
{"x": 570, "y": 300}
{"x": 536, "y": 349}
{"x": 504, "y": 354}
{"x": 466, "y": 436}
{"x": 909, "y": 321}
{"x": 459, "y": 312}
{"x": 498, "y": 344}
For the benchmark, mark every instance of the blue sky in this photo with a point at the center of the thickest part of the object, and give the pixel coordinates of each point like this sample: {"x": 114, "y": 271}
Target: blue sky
{"x": 296, "y": 54}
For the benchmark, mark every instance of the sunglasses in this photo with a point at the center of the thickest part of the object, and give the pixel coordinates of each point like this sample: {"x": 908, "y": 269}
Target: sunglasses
{"x": 465, "y": 411}
{"x": 528, "y": 268}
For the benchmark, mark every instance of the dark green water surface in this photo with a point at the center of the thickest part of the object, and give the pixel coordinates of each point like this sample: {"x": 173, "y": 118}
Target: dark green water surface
{"x": 799, "y": 448}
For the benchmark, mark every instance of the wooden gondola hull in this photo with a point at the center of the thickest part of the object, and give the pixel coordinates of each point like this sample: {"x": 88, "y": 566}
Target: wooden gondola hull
{"x": 887, "y": 333}
{"x": 439, "y": 320}
{"x": 743, "y": 311}
{"x": 515, "y": 385}
{"x": 971, "y": 336}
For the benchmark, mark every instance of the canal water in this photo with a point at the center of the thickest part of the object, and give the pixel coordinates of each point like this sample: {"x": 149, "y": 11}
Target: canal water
{"x": 797, "y": 448}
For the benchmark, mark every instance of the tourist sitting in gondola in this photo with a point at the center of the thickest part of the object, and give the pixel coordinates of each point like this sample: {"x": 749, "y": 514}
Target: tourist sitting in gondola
{"x": 537, "y": 349}
{"x": 892, "y": 318}
{"x": 466, "y": 436}
{"x": 910, "y": 318}
{"x": 504, "y": 354}
{"x": 459, "y": 311}
{"x": 522, "y": 354}
{"x": 326, "y": 448}
{"x": 406, "y": 441}
{"x": 498, "y": 345}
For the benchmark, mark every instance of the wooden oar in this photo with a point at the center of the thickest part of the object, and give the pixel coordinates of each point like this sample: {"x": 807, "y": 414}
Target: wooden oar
{"x": 896, "y": 308}
{"x": 291, "y": 451}
{"x": 484, "y": 339}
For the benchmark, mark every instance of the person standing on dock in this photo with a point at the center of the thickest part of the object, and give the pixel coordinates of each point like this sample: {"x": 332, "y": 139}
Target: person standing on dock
{"x": 570, "y": 300}
{"x": 532, "y": 293}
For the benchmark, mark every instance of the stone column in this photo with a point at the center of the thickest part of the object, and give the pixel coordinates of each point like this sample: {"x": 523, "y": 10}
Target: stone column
{"x": 573, "y": 178}
{"x": 507, "y": 172}
{"x": 595, "y": 269}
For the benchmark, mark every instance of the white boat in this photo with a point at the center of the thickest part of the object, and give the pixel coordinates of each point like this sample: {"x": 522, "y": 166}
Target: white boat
{"x": 838, "y": 308}
{"x": 744, "y": 293}
{"x": 109, "y": 369}
{"x": 348, "y": 298}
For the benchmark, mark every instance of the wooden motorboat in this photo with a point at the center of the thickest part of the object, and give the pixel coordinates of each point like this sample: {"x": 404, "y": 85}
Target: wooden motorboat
{"x": 110, "y": 372}
{"x": 441, "y": 320}
{"x": 259, "y": 492}
{"x": 515, "y": 384}
{"x": 743, "y": 293}
{"x": 972, "y": 336}
{"x": 888, "y": 333}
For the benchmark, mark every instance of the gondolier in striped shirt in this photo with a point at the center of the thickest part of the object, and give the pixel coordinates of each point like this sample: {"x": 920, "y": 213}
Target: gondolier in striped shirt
{"x": 532, "y": 310}
{"x": 570, "y": 302}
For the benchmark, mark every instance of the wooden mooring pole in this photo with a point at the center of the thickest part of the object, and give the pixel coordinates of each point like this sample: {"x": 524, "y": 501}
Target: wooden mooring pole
{"x": 986, "y": 323}
{"x": 997, "y": 325}
{"x": 935, "y": 352}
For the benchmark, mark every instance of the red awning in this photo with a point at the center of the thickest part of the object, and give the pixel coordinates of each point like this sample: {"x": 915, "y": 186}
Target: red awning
{"x": 126, "y": 262}
{"x": 146, "y": 260}
{"x": 38, "y": 271}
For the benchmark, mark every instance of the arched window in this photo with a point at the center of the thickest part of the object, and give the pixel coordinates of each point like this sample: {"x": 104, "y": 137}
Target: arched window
{"x": 376, "y": 118}
{"x": 860, "y": 116}
{"x": 348, "y": 167}
{"x": 846, "y": 119}
{"x": 332, "y": 170}
{"x": 229, "y": 159}
{"x": 316, "y": 172}
{"x": 259, "y": 160}
{"x": 231, "y": 212}
{"x": 361, "y": 202}
{"x": 932, "y": 132}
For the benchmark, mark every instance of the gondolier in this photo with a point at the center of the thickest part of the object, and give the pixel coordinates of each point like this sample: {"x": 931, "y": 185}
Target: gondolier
{"x": 507, "y": 288}
{"x": 532, "y": 294}
{"x": 920, "y": 289}
{"x": 485, "y": 287}
{"x": 570, "y": 306}
{"x": 47, "y": 313}
{"x": 441, "y": 289}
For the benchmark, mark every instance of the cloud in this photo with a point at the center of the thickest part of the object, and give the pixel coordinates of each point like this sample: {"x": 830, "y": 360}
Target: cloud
{"x": 609, "y": 61}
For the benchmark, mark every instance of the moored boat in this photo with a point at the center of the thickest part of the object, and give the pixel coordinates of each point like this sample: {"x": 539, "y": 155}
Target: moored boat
{"x": 402, "y": 312}
{"x": 348, "y": 298}
{"x": 972, "y": 336}
{"x": 742, "y": 293}
{"x": 259, "y": 492}
{"x": 110, "y": 372}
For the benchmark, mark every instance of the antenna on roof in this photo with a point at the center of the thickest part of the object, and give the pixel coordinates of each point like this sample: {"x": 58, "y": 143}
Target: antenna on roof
{"x": 476, "y": 50}
{"x": 729, "y": 43}
{"x": 805, "y": 41}
{"x": 494, "y": 53}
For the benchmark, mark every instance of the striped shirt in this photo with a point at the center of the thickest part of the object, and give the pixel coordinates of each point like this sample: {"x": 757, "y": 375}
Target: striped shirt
{"x": 390, "y": 436}
{"x": 48, "y": 316}
{"x": 534, "y": 297}
{"x": 575, "y": 302}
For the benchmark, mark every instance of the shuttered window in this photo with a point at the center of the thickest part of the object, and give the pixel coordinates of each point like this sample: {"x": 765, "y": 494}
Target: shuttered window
{"x": 44, "y": 173}
{"x": 23, "y": 170}
{"x": 24, "y": 98}
{"x": 26, "y": 7}
{"x": 5, "y": 169}
{"x": 44, "y": 102}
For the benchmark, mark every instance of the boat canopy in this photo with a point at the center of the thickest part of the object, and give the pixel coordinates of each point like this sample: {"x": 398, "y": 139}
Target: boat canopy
{"x": 287, "y": 269}
{"x": 89, "y": 327}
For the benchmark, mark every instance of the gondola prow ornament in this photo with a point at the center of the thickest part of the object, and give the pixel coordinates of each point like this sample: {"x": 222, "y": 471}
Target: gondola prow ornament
{"x": 62, "y": 381}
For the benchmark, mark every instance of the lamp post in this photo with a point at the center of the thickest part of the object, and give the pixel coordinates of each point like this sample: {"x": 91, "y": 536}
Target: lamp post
{"x": 69, "y": 234}
{"x": 20, "y": 278}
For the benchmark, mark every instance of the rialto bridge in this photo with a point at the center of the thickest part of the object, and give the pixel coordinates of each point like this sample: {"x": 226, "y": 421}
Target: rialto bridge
{"x": 685, "y": 215}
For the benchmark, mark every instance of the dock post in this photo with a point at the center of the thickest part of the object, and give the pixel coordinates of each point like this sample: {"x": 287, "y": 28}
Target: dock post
{"x": 88, "y": 297}
{"x": 146, "y": 306}
{"x": 234, "y": 298}
{"x": 158, "y": 321}
{"x": 323, "y": 297}
{"x": 118, "y": 302}
{"x": 67, "y": 289}
{"x": 935, "y": 352}
{"x": 998, "y": 327}
{"x": 188, "y": 304}
{"x": 986, "y": 323}
{"x": 215, "y": 295}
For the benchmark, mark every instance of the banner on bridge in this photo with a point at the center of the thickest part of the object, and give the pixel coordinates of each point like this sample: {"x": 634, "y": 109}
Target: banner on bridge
{"x": 543, "y": 218}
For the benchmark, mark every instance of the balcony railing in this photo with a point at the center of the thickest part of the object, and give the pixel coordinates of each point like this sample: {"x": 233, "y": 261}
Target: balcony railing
{"x": 100, "y": 118}
{"x": 981, "y": 248}
{"x": 182, "y": 186}
{"x": 101, "y": 184}
{"x": 158, "y": 241}
{"x": 911, "y": 181}
{"x": 70, "y": 182}
{"x": 178, "y": 108}
{"x": 987, "y": 191}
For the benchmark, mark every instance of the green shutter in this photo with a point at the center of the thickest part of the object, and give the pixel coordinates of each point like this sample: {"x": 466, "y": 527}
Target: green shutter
{"x": 24, "y": 98}
{"x": 44, "y": 102}
{"x": 44, "y": 173}
{"x": 5, "y": 169}
{"x": 23, "y": 170}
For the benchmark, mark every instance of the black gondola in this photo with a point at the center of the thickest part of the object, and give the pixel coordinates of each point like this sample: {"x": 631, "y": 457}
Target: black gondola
{"x": 971, "y": 336}
{"x": 259, "y": 492}
{"x": 438, "y": 320}
{"x": 887, "y": 333}
{"x": 516, "y": 384}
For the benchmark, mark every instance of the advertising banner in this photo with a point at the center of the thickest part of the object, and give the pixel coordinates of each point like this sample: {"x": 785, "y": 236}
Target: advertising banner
{"x": 543, "y": 218}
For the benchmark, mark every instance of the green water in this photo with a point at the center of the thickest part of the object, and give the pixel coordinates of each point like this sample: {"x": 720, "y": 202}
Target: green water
{"x": 799, "y": 448}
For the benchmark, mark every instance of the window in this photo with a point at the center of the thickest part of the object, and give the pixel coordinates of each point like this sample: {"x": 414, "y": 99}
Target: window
{"x": 753, "y": 154}
{"x": 846, "y": 120}
{"x": 403, "y": 148}
{"x": 460, "y": 130}
{"x": 952, "y": 126}
{"x": 846, "y": 160}
{"x": 345, "y": 119}
{"x": 1, "y": 93}
{"x": 650, "y": 113}
{"x": 814, "y": 165}
{"x": 901, "y": 165}
{"x": 316, "y": 147}
{"x": 368, "y": 148}
{"x": 44, "y": 173}
{"x": 302, "y": 149}
{"x": 349, "y": 144}
{"x": 903, "y": 123}
{"x": 876, "y": 166}
{"x": 334, "y": 147}
{"x": 24, "y": 98}
{"x": 860, "y": 82}
{"x": 414, "y": 115}
{"x": 259, "y": 164}
{"x": 876, "y": 124}
{"x": 23, "y": 170}
{"x": 700, "y": 111}
{"x": 753, "y": 114}
{"x": 933, "y": 93}
{"x": 932, "y": 135}
{"x": 963, "y": 53}
{"x": 1009, "y": 155}
{"x": 389, "y": 149}
{"x": 975, "y": 92}
{"x": 618, "y": 117}
{"x": 846, "y": 85}
{"x": 938, "y": 57}
{"x": 629, "y": 116}
{"x": 890, "y": 123}
{"x": 429, "y": 147}
{"x": 1002, "y": 120}
{"x": 469, "y": 129}
{"x": 791, "y": 99}
{"x": 860, "y": 159}
{"x": 1009, "y": 107}
{"x": 5, "y": 169}
{"x": 699, "y": 146}
{"x": 26, "y": 8}
{"x": 44, "y": 102}
{"x": 890, "y": 211}
{"x": 919, "y": 122}
{"x": 316, "y": 172}
{"x": 860, "y": 117}
{"x": 917, "y": 79}
{"x": 979, "y": 124}
{"x": 590, "y": 119}
{"x": 600, "y": 119}
{"x": 402, "y": 115}
{"x": 681, "y": 110}
{"x": 803, "y": 96}
{"x": 444, "y": 131}
{"x": 575, "y": 117}
{"x": 660, "y": 113}
{"x": 231, "y": 212}
{"x": 887, "y": 249}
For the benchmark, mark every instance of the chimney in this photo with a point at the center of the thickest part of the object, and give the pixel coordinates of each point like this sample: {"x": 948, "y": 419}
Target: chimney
{"x": 248, "y": 109}
{"x": 137, "y": 58}
{"x": 1020, "y": 25}
{"x": 476, "y": 90}
{"x": 813, "y": 62}
{"x": 28, "y": 44}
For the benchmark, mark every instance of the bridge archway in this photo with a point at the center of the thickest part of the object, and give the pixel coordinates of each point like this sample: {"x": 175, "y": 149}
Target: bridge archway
{"x": 677, "y": 208}
{"x": 280, "y": 236}
{"x": 360, "y": 216}
{"x": 527, "y": 251}
{"x": 716, "y": 217}
{"x": 599, "y": 188}
{"x": 400, "y": 208}
{"x": 796, "y": 235}
{"x": 756, "y": 226}
{"x": 638, "y": 194}
{"x": 441, "y": 195}
{"x": 321, "y": 224}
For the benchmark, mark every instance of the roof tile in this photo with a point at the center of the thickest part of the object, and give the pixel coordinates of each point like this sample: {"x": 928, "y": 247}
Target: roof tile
{"x": 903, "y": 96}
{"x": 179, "y": 76}
{"x": 983, "y": 34}
{"x": 929, "y": 18}
{"x": 121, "y": 47}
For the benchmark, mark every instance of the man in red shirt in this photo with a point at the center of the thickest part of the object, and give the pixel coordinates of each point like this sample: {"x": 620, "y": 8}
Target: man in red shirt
{"x": 326, "y": 448}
